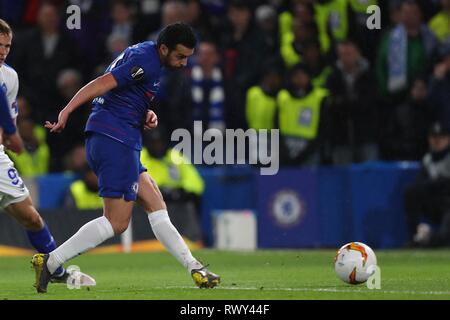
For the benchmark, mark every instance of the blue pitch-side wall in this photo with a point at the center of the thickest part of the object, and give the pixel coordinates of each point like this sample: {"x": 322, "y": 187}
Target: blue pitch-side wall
{"x": 321, "y": 207}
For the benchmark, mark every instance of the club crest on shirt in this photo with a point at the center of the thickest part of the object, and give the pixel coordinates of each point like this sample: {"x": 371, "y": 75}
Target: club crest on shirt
{"x": 137, "y": 73}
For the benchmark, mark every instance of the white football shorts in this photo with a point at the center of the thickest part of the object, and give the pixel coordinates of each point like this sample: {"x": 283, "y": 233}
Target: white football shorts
{"x": 12, "y": 188}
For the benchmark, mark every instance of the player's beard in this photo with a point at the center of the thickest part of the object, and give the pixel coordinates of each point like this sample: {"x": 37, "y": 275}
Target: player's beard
{"x": 167, "y": 65}
{"x": 171, "y": 67}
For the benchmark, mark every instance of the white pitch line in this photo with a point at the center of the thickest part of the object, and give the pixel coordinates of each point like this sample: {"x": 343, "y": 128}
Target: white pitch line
{"x": 318, "y": 290}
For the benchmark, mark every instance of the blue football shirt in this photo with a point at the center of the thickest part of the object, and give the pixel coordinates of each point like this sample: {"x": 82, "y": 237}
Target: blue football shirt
{"x": 120, "y": 113}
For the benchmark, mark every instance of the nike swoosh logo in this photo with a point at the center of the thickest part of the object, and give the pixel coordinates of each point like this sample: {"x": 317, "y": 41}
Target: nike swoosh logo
{"x": 156, "y": 84}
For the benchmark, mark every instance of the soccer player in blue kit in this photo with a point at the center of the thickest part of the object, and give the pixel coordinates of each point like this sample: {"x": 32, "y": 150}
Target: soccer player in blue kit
{"x": 113, "y": 143}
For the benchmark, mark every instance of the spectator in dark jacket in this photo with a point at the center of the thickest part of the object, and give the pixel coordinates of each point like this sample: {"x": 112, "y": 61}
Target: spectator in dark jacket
{"x": 427, "y": 201}
{"x": 403, "y": 134}
{"x": 244, "y": 52}
{"x": 39, "y": 56}
{"x": 440, "y": 86}
{"x": 353, "y": 114}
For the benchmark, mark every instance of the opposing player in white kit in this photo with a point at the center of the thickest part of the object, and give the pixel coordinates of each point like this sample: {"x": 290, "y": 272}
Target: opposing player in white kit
{"x": 14, "y": 196}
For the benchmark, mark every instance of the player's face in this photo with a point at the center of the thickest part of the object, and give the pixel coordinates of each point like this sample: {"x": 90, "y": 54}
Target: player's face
{"x": 176, "y": 58}
{"x": 5, "y": 46}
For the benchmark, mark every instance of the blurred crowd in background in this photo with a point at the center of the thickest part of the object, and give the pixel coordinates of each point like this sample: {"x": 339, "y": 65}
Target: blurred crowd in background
{"x": 339, "y": 92}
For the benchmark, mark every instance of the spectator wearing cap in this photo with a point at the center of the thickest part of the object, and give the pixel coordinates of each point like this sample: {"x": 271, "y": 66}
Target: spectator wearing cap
{"x": 427, "y": 200}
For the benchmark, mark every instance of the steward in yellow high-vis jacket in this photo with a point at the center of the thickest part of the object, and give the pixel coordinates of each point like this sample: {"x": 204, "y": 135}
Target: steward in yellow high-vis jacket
{"x": 302, "y": 119}
{"x": 178, "y": 179}
{"x": 261, "y": 108}
{"x": 83, "y": 193}
{"x": 36, "y": 158}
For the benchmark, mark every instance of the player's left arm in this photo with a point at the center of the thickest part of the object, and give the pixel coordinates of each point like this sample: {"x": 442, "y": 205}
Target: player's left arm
{"x": 95, "y": 88}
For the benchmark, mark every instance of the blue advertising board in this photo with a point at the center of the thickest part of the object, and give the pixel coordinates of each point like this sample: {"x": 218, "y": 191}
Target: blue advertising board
{"x": 287, "y": 209}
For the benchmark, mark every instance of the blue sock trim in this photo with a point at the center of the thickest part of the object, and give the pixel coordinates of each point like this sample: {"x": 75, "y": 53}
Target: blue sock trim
{"x": 59, "y": 272}
{"x": 42, "y": 240}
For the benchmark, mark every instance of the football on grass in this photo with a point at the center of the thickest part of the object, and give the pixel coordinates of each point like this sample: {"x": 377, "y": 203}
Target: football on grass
{"x": 355, "y": 262}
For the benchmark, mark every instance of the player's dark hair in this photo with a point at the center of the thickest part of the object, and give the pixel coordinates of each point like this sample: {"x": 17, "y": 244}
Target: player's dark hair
{"x": 177, "y": 33}
{"x": 5, "y": 28}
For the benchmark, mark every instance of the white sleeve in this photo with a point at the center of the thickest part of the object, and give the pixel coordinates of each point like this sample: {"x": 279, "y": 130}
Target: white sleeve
{"x": 12, "y": 96}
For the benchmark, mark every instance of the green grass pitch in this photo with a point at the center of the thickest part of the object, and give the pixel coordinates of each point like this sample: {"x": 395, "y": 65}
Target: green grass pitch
{"x": 264, "y": 274}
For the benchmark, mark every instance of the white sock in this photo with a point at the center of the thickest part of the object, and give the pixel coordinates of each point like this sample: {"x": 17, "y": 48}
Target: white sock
{"x": 168, "y": 235}
{"x": 89, "y": 236}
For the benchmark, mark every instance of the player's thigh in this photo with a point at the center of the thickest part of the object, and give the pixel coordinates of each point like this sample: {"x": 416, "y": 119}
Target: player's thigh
{"x": 149, "y": 195}
{"x": 15, "y": 197}
{"x": 118, "y": 211}
{"x": 26, "y": 214}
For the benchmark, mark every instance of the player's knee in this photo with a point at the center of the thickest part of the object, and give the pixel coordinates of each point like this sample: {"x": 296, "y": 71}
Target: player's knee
{"x": 119, "y": 227}
{"x": 153, "y": 206}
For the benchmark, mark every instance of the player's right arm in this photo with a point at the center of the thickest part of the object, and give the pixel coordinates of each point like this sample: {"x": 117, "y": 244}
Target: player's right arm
{"x": 93, "y": 89}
